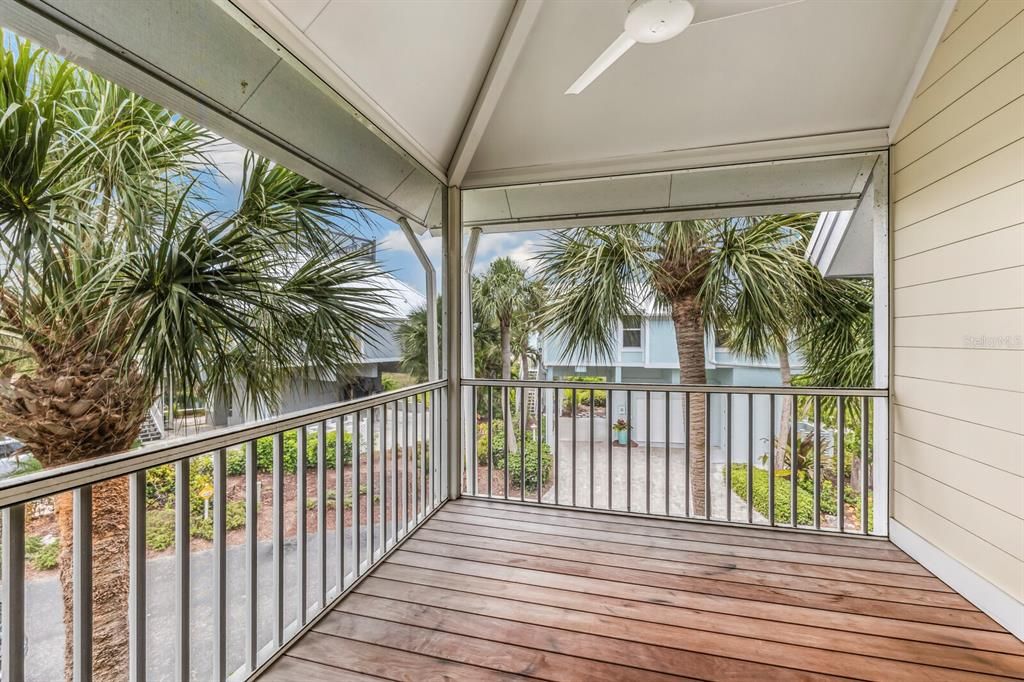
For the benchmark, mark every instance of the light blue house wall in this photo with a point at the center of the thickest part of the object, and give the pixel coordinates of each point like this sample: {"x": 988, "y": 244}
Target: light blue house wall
{"x": 657, "y": 362}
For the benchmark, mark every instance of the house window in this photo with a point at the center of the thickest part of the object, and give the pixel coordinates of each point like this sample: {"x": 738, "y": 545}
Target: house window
{"x": 632, "y": 334}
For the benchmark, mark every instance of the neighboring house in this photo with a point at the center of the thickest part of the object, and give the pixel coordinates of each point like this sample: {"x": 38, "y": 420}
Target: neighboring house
{"x": 645, "y": 352}
{"x": 383, "y": 355}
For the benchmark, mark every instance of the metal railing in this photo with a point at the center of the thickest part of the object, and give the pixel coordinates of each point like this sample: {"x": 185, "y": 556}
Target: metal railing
{"x": 389, "y": 474}
{"x": 634, "y": 448}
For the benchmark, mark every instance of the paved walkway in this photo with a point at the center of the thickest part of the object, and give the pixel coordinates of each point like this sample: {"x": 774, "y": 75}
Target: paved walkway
{"x": 632, "y": 465}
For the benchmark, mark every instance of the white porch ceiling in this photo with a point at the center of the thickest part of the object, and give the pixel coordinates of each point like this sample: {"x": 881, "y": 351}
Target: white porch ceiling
{"x": 816, "y": 69}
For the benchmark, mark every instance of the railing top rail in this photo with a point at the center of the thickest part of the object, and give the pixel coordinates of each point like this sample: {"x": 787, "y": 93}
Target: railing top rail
{"x": 52, "y": 481}
{"x": 686, "y": 388}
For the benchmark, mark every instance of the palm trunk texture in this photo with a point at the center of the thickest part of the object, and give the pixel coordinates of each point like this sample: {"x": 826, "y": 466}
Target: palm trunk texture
{"x": 689, "y": 328}
{"x": 70, "y": 410}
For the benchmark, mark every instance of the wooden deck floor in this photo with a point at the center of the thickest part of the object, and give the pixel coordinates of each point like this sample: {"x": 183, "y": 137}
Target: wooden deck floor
{"x": 489, "y": 590}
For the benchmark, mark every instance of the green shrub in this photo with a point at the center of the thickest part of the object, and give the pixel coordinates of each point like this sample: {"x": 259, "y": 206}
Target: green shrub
{"x": 160, "y": 525}
{"x": 41, "y": 556}
{"x": 497, "y": 454}
{"x": 497, "y": 444}
{"x": 515, "y": 470}
{"x": 289, "y": 455}
{"x": 804, "y": 497}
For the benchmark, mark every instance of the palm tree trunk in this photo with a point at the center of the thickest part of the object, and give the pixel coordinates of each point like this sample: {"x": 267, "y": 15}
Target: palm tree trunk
{"x": 689, "y": 328}
{"x": 110, "y": 583}
{"x": 782, "y": 435}
{"x": 74, "y": 410}
{"x": 506, "y": 350}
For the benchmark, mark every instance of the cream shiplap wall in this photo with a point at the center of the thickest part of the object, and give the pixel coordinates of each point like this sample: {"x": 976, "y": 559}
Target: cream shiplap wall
{"x": 958, "y": 297}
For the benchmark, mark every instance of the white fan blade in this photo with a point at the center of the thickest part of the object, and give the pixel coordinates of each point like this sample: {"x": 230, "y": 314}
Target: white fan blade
{"x": 707, "y": 11}
{"x": 607, "y": 58}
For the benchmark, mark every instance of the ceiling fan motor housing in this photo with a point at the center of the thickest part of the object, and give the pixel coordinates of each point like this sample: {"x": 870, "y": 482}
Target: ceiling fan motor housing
{"x": 654, "y": 21}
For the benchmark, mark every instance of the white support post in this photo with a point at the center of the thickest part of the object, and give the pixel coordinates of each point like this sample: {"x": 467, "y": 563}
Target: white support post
{"x": 451, "y": 234}
{"x": 468, "y": 348}
{"x": 881, "y": 485}
{"x": 433, "y": 371}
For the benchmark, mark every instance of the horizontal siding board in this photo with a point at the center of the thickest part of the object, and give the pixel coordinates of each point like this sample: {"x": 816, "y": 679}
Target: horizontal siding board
{"x": 991, "y": 524}
{"x": 992, "y": 94}
{"x": 999, "y": 169}
{"x": 987, "y": 367}
{"x": 990, "y": 329}
{"x": 998, "y": 290}
{"x": 998, "y": 130}
{"x": 987, "y": 213}
{"x": 986, "y": 406}
{"x": 990, "y": 563}
{"x": 998, "y": 50}
{"x": 998, "y": 449}
{"x": 985, "y": 253}
{"x": 996, "y": 487}
{"x": 983, "y": 23}
{"x": 961, "y": 13}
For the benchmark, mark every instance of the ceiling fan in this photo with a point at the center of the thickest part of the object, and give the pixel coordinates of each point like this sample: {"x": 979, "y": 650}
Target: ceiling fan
{"x": 655, "y": 21}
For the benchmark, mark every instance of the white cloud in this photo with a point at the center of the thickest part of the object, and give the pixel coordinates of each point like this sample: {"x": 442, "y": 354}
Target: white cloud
{"x": 519, "y": 246}
{"x": 395, "y": 241}
{"x": 228, "y": 157}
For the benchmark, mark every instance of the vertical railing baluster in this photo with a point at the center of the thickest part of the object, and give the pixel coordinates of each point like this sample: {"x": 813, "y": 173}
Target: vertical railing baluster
{"x": 609, "y": 401}
{"x": 278, "y": 531}
{"x": 220, "y": 564}
{"x": 629, "y": 451}
{"x": 416, "y": 460}
{"x": 405, "y": 466}
{"x": 182, "y": 561}
{"x": 471, "y": 483}
{"x": 687, "y": 463}
{"x": 572, "y": 475}
{"x": 370, "y": 445}
{"x": 593, "y": 392}
{"x": 556, "y": 470}
{"x": 750, "y": 458}
{"x": 864, "y": 465}
{"x": 771, "y": 459}
{"x": 395, "y": 470}
{"x": 647, "y": 433}
{"x": 506, "y": 426}
{"x": 668, "y": 451}
{"x": 839, "y": 445}
{"x": 728, "y": 457}
{"x": 383, "y": 479}
{"x": 706, "y": 399}
{"x": 137, "y": 576}
{"x": 300, "y": 522}
{"x": 490, "y": 439}
{"x": 252, "y": 504}
{"x": 817, "y": 461}
{"x": 321, "y": 510}
{"x": 357, "y": 455}
{"x": 522, "y": 448}
{"x": 12, "y": 645}
{"x": 540, "y": 445}
{"x": 339, "y": 497}
{"x": 82, "y": 584}
{"x": 794, "y": 461}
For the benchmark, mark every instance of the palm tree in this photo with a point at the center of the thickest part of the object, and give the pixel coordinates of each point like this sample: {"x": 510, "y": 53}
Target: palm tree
{"x": 505, "y": 294}
{"x": 705, "y": 273}
{"x": 115, "y": 277}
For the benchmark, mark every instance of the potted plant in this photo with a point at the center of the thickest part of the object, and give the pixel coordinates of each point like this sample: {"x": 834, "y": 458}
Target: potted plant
{"x": 621, "y": 429}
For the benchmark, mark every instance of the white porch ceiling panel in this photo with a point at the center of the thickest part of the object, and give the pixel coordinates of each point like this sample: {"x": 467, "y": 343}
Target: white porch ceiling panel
{"x": 832, "y": 183}
{"x": 198, "y": 58}
{"x": 804, "y": 78}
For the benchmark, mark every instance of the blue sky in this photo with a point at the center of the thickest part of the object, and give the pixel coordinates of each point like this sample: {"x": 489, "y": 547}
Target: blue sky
{"x": 395, "y": 254}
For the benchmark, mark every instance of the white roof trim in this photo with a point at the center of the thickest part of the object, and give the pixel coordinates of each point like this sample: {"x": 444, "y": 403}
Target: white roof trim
{"x": 509, "y": 48}
{"x": 922, "y": 65}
